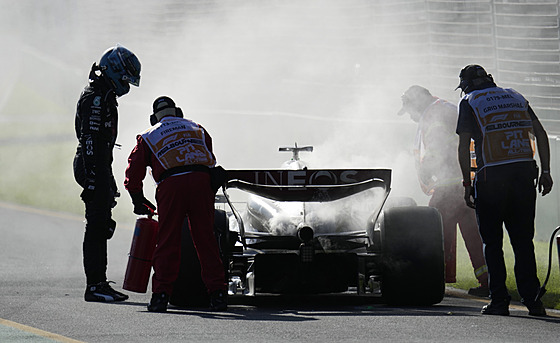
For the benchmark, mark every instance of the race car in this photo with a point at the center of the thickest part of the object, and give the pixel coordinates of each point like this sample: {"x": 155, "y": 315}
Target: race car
{"x": 317, "y": 231}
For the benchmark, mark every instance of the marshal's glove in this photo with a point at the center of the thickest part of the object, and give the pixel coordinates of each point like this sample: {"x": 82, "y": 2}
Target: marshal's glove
{"x": 217, "y": 178}
{"x": 141, "y": 204}
{"x": 545, "y": 183}
{"x": 469, "y": 196}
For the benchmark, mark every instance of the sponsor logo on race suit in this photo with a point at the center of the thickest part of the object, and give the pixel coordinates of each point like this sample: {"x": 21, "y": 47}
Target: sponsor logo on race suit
{"x": 178, "y": 142}
{"x": 506, "y": 125}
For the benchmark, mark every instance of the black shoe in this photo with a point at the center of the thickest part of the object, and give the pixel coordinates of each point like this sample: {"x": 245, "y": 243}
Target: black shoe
{"x": 159, "y": 302}
{"x": 480, "y": 291}
{"x": 536, "y": 309}
{"x": 497, "y": 307}
{"x": 103, "y": 292}
{"x": 218, "y": 300}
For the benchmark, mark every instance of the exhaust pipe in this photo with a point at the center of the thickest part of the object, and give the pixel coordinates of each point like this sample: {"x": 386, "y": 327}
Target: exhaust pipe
{"x": 306, "y": 249}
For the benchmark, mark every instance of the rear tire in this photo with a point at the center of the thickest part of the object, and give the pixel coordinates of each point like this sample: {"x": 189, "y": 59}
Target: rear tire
{"x": 399, "y": 202}
{"x": 413, "y": 257}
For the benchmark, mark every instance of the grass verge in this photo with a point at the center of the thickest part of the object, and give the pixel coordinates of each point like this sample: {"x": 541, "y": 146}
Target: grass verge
{"x": 37, "y": 169}
{"x": 551, "y": 299}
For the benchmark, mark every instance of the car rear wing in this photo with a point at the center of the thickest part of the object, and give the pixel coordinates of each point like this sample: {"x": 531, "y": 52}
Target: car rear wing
{"x": 305, "y": 185}
{"x": 309, "y": 184}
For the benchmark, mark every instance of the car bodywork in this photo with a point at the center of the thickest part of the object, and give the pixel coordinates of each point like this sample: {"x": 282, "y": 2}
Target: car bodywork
{"x": 315, "y": 231}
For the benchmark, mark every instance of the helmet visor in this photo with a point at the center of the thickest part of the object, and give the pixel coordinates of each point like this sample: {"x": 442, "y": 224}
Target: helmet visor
{"x": 133, "y": 80}
{"x": 131, "y": 66}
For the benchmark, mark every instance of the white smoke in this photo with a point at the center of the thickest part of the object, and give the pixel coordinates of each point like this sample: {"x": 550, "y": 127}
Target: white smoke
{"x": 257, "y": 75}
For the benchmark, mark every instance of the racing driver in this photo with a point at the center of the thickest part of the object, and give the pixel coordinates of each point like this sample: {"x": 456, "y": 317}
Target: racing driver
{"x": 96, "y": 130}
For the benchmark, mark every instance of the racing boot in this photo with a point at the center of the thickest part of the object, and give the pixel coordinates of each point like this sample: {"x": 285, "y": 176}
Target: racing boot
{"x": 497, "y": 307}
{"x": 218, "y": 300}
{"x": 103, "y": 292}
{"x": 159, "y": 302}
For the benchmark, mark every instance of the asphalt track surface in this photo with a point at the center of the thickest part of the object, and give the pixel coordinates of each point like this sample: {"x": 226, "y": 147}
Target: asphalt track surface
{"x": 42, "y": 286}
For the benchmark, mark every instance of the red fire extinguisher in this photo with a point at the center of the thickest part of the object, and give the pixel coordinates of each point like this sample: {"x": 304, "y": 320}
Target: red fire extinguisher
{"x": 142, "y": 249}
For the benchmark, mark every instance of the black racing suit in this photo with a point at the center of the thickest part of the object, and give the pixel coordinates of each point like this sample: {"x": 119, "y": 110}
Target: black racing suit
{"x": 96, "y": 130}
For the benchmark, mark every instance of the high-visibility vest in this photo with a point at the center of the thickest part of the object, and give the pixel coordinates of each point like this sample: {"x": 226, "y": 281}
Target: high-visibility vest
{"x": 178, "y": 142}
{"x": 503, "y": 117}
{"x": 438, "y": 119}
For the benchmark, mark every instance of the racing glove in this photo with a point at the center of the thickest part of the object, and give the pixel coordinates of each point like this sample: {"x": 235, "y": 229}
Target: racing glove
{"x": 115, "y": 192}
{"x": 141, "y": 204}
{"x": 111, "y": 226}
{"x": 88, "y": 193}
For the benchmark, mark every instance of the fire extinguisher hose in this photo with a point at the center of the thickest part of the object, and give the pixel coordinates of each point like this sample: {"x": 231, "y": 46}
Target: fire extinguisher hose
{"x": 542, "y": 290}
